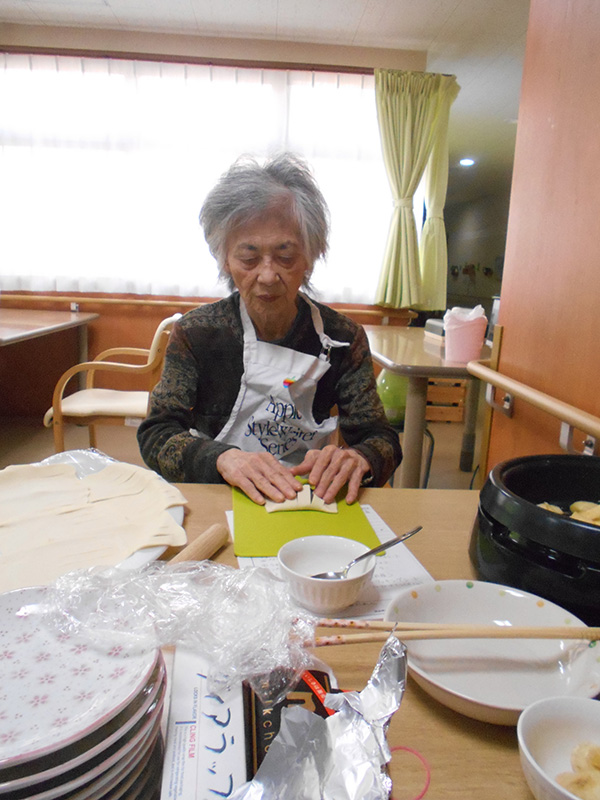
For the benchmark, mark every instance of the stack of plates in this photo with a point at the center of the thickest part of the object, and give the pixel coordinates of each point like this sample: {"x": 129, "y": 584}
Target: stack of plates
{"x": 76, "y": 721}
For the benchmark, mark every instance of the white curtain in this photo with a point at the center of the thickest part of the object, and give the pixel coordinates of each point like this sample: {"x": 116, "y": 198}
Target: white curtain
{"x": 104, "y": 165}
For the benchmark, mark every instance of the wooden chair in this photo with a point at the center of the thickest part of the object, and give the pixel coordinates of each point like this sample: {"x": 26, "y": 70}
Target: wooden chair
{"x": 91, "y": 406}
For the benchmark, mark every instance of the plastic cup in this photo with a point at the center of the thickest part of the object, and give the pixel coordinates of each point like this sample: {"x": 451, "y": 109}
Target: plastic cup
{"x": 464, "y": 339}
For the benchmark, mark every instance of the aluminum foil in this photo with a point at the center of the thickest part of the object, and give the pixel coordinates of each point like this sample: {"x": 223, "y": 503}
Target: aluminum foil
{"x": 343, "y": 757}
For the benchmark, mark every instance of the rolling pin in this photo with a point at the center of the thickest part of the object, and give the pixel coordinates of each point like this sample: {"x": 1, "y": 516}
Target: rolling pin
{"x": 205, "y": 545}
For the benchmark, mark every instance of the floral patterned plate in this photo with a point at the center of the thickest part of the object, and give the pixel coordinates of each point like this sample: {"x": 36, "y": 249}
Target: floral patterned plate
{"x": 96, "y": 747}
{"x": 142, "y": 783}
{"x": 494, "y": 679}
{"x": 103, "y": 775}
{"x": 56, "y": 688}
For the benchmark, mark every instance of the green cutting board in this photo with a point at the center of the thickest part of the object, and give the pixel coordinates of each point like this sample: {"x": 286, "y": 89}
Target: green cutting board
{"x": 257, "y": 533}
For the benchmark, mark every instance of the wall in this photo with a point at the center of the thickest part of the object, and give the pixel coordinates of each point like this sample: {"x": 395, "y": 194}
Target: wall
{"x": 551, "y": 283}
{"x": 30, "y": 38}
{"x": 29, "y": 370}
{"x": 476, "y": 234}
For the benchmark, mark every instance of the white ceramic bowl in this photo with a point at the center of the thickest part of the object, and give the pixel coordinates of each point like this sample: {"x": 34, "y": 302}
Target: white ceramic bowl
{"x": 548, "y": 731}
{"x": 301, "y": 558}
{"x": 493, "y": 680}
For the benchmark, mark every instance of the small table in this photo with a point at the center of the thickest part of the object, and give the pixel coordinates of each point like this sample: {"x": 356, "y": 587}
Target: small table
{"x": 468, "y": 759}
{"x": 408, "y": 352}
{"x": 23, "y": 324}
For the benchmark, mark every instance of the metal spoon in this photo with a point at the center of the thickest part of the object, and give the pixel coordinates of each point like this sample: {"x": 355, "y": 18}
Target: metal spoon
{"x": 341, "y": 574}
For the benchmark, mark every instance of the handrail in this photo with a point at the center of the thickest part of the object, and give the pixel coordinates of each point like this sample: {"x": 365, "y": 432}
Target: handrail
{"x": 82, "y": 299}
{"x": 575, "y": 417}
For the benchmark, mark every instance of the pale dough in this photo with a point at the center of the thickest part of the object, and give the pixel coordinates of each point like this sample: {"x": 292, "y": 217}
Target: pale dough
{"x": 304, "y": 500}
{"x": 52, "y": 522}
{"x": 27, "y": 490}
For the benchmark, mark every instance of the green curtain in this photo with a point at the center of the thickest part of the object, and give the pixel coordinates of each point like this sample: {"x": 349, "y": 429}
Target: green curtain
{"x": 433, "y": 251}
{"x": 409, "y": 108}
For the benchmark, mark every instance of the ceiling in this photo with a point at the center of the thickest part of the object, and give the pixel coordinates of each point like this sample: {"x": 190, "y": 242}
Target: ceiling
{"x": 482, "y": 42}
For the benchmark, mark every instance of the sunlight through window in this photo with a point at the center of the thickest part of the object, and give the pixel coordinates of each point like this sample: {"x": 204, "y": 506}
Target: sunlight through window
{"x": 105, "y": 164}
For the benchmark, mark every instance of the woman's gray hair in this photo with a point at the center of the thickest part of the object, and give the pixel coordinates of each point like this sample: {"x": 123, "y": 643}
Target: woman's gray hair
{"x": 248, "y": 189}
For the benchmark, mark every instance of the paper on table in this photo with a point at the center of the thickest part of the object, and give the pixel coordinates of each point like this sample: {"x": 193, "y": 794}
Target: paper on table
{"x": 257, "y": 533}
{"x": 394, "y": 570}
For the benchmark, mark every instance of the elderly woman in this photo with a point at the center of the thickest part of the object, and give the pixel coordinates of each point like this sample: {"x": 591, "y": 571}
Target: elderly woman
{"x": 249, "y": 382}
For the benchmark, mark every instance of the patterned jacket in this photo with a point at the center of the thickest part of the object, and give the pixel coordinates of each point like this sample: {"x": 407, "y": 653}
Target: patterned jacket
{"x": 201, "y": 380}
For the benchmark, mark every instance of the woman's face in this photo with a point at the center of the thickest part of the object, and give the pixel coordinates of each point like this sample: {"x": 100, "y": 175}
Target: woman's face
{"x": 266, "y": 262}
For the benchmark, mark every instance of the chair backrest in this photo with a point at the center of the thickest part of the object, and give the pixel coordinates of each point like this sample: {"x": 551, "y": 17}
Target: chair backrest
{"x": 156, "y": 353}
{"x": 159, "y": 337}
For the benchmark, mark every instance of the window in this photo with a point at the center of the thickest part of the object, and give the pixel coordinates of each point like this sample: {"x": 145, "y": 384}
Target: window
{"x": 105, "y": 163}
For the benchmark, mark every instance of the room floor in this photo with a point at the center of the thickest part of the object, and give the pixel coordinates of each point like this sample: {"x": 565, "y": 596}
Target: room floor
{"x": 23, "y": 441}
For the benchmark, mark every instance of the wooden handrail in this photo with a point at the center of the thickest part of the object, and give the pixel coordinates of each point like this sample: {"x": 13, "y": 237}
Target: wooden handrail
{"x": 113, "y": 301}
{"x": 575, "y": 417}
{"x": 382, "y": 313}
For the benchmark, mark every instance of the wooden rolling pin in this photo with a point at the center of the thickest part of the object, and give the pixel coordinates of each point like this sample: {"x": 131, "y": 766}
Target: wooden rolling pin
{"x": 205, "y": 545}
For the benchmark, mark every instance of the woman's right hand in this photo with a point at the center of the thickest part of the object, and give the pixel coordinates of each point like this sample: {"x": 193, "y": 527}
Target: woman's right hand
{"x": 259, "y": 475}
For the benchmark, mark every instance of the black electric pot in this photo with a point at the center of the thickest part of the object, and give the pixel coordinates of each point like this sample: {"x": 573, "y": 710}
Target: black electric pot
{"x": 516, "y": 543}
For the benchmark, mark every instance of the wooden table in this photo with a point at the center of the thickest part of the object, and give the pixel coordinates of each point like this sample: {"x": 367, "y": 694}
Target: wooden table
{"x": 469, "y": 760}
{"x": 407, "y": 351}
{"x": 23, "y": 324}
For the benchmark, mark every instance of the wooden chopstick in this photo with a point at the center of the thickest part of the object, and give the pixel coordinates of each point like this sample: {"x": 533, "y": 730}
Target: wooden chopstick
{"x": 460, "y": 632}
{"x": 378, "y": 624}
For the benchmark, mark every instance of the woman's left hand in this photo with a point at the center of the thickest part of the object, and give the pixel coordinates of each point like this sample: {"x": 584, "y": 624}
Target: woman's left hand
{"x": 331, "y": 468}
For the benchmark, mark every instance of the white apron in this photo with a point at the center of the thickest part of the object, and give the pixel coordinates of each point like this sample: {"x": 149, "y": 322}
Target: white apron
{"x": 273, "y": 410}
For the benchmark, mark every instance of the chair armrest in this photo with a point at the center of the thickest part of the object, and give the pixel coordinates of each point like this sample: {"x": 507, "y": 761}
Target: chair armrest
{"x": 96, "y": 366}
{"x": 142, "y": 352}
{"x": 106, "y": 355}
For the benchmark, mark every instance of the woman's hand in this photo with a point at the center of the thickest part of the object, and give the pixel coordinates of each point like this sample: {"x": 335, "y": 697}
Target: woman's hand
{"x": 259, "y": 475}
{"x": 331, "y": 468}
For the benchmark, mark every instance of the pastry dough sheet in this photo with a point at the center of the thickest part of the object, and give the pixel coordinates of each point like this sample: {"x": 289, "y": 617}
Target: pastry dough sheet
{"x": 52, "y": 522}
{"x": 304, "y": 500}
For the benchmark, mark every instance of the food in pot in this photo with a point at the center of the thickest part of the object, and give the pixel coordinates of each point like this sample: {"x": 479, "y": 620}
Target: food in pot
{"x": 582, "y": 510}
{"x": 584, "y": 781}
{"x": 586, "y": 512}
{"x": 551, "y": 507}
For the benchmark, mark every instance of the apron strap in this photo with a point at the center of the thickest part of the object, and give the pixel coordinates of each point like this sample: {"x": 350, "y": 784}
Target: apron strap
{"x": 250, "y": 340}
{"x": 326, "y": 342}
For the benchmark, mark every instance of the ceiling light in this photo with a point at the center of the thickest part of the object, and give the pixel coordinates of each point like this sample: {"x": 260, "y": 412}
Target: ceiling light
{"x": 466, "y": 162}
